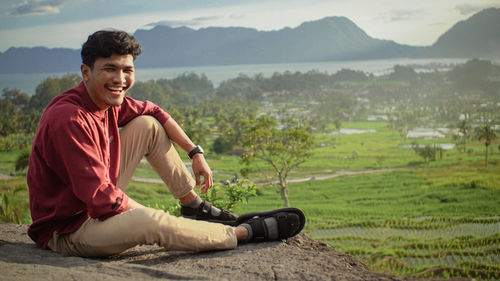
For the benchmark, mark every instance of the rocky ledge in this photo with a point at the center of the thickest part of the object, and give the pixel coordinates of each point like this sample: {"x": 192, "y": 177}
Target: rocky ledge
{"x": 300, "y": 258}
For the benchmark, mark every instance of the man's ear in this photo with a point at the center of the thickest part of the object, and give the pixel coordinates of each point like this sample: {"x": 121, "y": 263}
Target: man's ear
{"x": 85, "y": 69}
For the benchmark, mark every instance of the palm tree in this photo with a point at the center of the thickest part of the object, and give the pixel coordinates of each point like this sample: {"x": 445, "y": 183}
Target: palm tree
{"x": 464, "y": 129}
{"x": 487, "y": 135}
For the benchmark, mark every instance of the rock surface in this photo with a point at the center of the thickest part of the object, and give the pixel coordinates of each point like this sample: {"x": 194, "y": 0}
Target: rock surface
{"x": 300, "y": 258}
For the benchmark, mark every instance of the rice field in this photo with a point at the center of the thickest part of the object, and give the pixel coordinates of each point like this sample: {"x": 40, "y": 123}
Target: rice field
{"x": 431, "y": 247}
{"x": 423, "y": 220}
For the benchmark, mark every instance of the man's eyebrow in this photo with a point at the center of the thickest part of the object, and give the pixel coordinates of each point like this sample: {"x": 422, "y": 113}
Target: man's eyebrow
{"x": 110, "y": 64}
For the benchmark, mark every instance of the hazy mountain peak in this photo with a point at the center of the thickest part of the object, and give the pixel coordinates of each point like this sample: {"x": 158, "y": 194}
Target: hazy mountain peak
{"x": 326, "y": 39}
{"x": 477, "y": 36}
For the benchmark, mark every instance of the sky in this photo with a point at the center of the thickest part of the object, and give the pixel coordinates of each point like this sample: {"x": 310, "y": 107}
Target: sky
{"x": 67, "y": 23}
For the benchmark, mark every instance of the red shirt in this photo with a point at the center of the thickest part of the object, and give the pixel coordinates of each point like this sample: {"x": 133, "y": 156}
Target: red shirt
{"x": 75, "y": 161}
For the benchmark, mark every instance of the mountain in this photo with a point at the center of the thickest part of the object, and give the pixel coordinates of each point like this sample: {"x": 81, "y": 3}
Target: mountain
{"x": 332, "y": 38}
{"x": 478, "y": 36}
{"x": 39, "y": 60}
{"x": 327, "y": 39}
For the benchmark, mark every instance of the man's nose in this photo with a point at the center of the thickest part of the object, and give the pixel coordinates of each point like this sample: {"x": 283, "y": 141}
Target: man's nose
{"x": 119, "y": 77}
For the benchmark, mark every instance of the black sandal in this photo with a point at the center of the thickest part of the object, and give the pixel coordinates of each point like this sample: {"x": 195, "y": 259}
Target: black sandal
{"x": 290, "y": 222}
{"x": 203, "y": 212}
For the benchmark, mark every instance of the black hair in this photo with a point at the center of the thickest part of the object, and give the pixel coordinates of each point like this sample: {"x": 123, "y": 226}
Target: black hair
{"x": 104, "y": 43}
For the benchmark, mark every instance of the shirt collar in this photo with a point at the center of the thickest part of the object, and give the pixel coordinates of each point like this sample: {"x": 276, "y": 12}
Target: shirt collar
{"x": 88, "y": 102}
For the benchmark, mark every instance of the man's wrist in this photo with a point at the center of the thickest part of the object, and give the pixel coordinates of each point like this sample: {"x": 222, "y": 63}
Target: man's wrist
{"x": 196, "y": 150}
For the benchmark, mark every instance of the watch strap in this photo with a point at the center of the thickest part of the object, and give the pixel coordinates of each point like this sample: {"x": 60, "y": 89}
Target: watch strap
{"x": 195, "y": 151}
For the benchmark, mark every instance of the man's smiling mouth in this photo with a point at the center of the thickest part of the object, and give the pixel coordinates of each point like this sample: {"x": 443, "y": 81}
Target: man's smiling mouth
{"x": 116, "y": 89}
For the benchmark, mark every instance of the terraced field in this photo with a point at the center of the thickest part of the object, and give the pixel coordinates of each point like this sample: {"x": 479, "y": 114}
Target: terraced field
{"x": 410, "y": 218}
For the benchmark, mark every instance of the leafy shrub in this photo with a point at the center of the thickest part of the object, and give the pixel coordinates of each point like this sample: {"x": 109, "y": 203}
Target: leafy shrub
{"x": 22, "y": 161}
{"x": 429, "y": 152}
{"x": 227, "y": 196}
{"x": 222, "y": 144}
{"x": 174, "y": 210}
{"x": 7, "y": 144}
{"x": 12, "y": 210}
{"x": 15, "y": 142}
{"x": 231, "y": 195}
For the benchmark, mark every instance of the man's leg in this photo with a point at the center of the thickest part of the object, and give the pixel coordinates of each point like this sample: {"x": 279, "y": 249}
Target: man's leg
{"x": 145, "y": 136}
{"x": 140, "y": 226}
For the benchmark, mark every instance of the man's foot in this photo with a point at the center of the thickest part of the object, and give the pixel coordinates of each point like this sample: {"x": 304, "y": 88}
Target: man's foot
{"x": 280, "y": 225}
{"x": 207, "y": 212}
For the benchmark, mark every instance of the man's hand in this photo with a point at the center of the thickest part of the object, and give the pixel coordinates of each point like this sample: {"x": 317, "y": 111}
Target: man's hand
{"x": 201, "y": 168}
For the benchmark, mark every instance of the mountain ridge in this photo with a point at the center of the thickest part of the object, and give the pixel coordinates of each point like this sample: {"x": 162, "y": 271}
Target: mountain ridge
{"x": 331, "y": 38}
{"x": 328, "y": 39}
{"x": 463, "y": 40}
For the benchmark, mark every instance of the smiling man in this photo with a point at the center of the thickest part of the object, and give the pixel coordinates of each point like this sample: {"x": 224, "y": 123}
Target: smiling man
{"x": 81, "y": 164}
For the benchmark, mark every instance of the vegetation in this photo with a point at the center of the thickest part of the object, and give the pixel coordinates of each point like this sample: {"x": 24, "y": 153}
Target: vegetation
{"x": 413, "y": 206}
{"x": 283, "y": 149}
{"x": 486, "y": 134}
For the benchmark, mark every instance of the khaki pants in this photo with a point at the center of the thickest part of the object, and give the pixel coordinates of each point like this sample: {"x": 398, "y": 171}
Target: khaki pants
{"x": 145, "y": 136}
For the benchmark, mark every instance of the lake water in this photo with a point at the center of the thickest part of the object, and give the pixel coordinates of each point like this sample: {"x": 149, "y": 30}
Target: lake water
{"x": 217, "y": 74}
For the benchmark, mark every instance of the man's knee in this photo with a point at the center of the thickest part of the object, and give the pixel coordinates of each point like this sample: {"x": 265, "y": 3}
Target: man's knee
{"x": 148, "y": 129}
{"x": 144, "y": 123}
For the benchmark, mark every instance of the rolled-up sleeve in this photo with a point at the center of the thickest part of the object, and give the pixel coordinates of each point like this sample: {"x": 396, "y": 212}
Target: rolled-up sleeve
{"x": 131, "y": 108}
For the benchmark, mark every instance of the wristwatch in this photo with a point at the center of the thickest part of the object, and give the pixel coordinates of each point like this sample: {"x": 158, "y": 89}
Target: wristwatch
{"x": 195, "y": 150}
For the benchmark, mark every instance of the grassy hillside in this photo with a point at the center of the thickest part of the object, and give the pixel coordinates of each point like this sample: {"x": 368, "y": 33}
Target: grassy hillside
{"x": 437, "y": 219}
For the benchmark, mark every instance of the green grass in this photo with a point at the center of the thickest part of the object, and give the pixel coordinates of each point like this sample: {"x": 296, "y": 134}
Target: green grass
{"x": 395, "y": 194}
{"x": 439, "y": 219}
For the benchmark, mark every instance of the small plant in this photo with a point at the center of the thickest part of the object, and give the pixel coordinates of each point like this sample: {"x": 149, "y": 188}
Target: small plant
{"x": 10, "y": 210}
{"x": 224, "y": 196}
{"x": 174, "y": 210}
{"x": 231, "y": 194}
{"x": 429, "y": 152}
{"x": 22, "y": 161}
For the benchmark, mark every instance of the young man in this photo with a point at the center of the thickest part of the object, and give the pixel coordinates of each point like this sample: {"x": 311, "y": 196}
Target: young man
{"x": 81, "y": 163}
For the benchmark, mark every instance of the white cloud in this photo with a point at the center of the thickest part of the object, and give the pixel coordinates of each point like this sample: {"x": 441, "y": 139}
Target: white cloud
{"x": 193, "y": 22}
{"x": 402, "y": 15}
{"x": 36, "y": 7}
{"x": 418, "y": 24}
{"x": 468, "y": 9}
{"x": 70, "y": 35}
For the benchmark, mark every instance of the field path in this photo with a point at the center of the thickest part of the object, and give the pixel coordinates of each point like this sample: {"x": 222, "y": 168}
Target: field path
{"x": 4, "y": 177}
{"x": 335, "y": 175}
{"x": 314, "y": 178}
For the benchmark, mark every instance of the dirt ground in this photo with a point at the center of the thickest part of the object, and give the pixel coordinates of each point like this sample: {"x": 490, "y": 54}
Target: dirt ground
{"x": 300, "y": 258}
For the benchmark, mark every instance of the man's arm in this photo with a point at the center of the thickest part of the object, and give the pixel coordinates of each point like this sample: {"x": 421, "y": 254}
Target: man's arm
{"x": 200, "y": 165}
{"x": 132, "y": 108}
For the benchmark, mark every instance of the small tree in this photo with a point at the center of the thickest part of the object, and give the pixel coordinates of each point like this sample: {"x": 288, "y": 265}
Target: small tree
{"x": 427, "y": 152}
{"x": 282, "y": 149}
{"x": 8, "y": 118}
{"x": 486, "y": 134}
{"x": 338, "y": 125}
{"x": 51, "y": 87}
{"x": 464, "y": 128}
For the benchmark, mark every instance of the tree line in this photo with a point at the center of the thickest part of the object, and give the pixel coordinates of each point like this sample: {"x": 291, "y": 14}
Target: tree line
{"x": 234, "y": 118}
{"x": 405, "y": 97}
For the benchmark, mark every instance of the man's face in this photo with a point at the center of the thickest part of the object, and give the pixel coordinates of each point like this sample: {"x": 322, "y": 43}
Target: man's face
{"x": 109, "y": 79}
